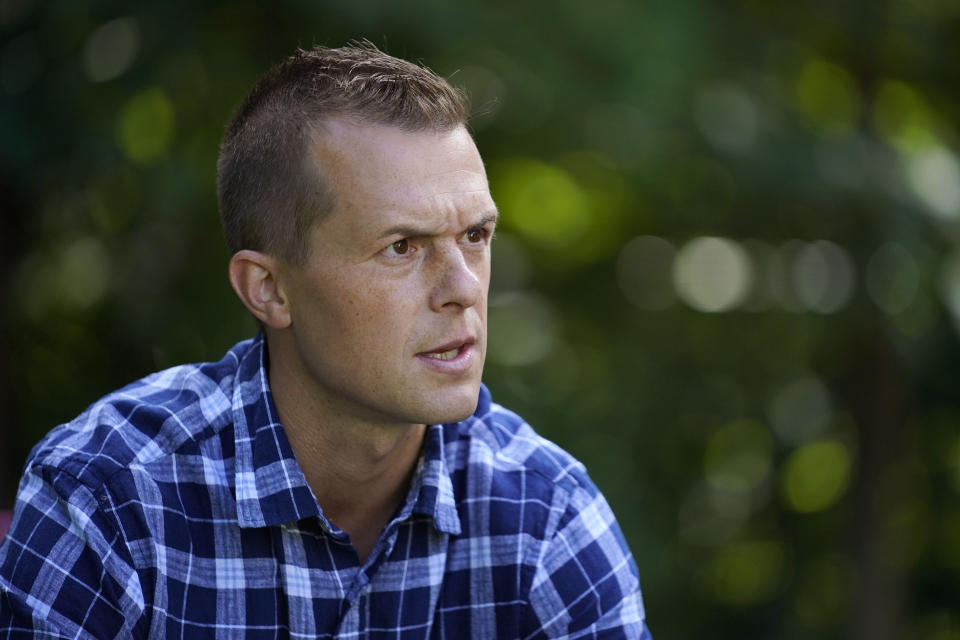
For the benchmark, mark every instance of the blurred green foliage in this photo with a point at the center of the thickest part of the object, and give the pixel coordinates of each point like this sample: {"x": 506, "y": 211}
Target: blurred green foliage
{"x": 727, "y": 275}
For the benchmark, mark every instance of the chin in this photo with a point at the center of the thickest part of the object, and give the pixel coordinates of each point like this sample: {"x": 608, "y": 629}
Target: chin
{"x": 454, "y": 407}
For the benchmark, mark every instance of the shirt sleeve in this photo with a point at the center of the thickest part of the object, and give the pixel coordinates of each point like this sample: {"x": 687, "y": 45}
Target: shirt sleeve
{"x": 64, "y": 572}
{"x": 586, "y": 583}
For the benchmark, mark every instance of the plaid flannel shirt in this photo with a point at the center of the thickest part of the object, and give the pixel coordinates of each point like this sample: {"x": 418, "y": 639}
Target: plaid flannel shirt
{"x": 175, "y": 508}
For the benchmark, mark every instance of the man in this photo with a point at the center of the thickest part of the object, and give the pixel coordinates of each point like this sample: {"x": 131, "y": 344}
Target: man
{"x": 344, "y": 474}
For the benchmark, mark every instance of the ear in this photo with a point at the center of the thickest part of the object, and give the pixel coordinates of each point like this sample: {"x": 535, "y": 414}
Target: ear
{"x": 253, "y": 276}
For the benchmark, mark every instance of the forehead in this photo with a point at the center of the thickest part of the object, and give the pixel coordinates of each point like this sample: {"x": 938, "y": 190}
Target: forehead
{"x": 346, "y": 149}
{"x": 379, "y": 173}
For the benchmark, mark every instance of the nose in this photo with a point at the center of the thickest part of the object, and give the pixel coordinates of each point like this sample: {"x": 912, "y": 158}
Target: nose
{"x": 460, "y": 279}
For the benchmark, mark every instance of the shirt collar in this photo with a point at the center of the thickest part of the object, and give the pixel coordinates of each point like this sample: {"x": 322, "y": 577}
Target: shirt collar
{"x": 271, "y": 487}
{"x": 431, "y": 492}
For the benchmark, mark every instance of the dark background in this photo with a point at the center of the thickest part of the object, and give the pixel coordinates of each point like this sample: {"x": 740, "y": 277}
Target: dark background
{"x": 726, "y": 276}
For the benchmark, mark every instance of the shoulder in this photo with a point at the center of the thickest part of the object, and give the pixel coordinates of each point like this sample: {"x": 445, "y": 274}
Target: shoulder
{"x": 143, "y": 421}
{"x": 516, "y": 487}
{"x": 583, "y": 580}
{"x": 510, "y": 479}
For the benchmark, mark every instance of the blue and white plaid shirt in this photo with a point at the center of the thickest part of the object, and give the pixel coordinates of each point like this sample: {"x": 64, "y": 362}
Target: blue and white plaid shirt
{"x": 174, "y": 508}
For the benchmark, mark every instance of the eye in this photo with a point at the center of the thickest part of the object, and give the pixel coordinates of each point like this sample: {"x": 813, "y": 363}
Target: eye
{"x": 475, "y": 236}
{"x": 400, "y": 247}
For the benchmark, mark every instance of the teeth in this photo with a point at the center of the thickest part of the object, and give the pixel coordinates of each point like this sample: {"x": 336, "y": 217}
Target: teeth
{"x": 444, "y": 355}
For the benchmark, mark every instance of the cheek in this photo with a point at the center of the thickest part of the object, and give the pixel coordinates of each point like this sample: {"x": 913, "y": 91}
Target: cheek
{"x": 369, "y": 311}
{"x": 351, "y": 299}
{"x": 377, "y": 314}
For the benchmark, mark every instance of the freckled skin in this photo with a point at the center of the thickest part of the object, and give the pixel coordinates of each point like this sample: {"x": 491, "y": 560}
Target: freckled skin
{"x": 399, "y": 268}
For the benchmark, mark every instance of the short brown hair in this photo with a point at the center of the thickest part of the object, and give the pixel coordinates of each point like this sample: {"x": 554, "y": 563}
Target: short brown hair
{"x": 270, "y": 192}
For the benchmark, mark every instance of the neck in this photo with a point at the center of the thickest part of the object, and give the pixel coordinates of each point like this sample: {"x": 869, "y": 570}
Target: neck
{"x": 359, "y": 470}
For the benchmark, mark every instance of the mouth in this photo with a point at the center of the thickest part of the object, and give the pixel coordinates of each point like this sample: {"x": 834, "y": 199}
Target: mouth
{"x": 454, "y": 355}
{"x": 450, "y": 354}
{"x": 449, "y": 350}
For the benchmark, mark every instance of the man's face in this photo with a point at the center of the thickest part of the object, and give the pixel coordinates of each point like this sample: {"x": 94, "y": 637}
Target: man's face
{"x": 389, "y": 313}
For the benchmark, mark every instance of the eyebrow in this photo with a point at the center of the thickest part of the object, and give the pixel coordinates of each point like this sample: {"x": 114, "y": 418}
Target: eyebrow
{"x": 413, "y": 231}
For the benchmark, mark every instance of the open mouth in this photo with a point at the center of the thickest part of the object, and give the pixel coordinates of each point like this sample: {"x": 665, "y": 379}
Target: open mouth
{"x": 453, "y": 350}
{"x": 444, "y": 355}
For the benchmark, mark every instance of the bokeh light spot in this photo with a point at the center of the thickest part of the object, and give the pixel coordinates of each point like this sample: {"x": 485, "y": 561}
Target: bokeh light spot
{"x": 902, "y": 117}
{"x": 934, "y": 175}
{"x": 68, "y": 278}
{"x": 712, "y": 274}
{"x": 764, "y": 291}
{"x": 800, "y": 411}
{"x": 146, "y": 125}
{"x": 521, "y": 328}
{"x": 779, "y": 277}
{"x": 727, "y": 117}
{"x": 111, "y": 49}
{"x": 823, "y": 276}
{"x": 84, "y": 271}
{"x": 892, "y": 278}
{"x": 816, "y": 475}
{"x": 827, "y": 97}
{"x": 541, "y": 201}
